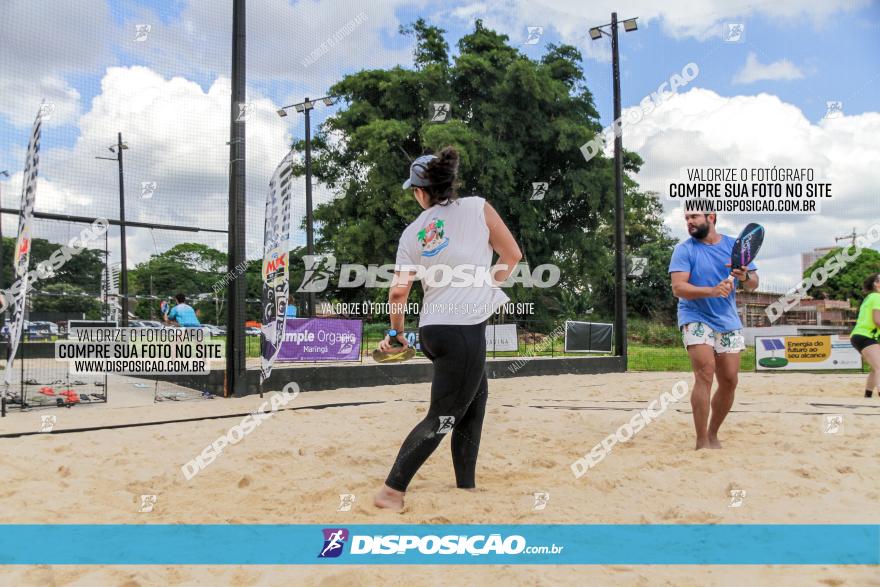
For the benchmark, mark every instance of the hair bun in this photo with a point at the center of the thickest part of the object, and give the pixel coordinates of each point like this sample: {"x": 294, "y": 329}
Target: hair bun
{"x": 442, "y": 173}
{"x": 443, "y": 170}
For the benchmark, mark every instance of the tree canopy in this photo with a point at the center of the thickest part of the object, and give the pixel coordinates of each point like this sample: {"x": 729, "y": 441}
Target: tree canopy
{"x": 515, "y": 121}
{"x": 846, "y": 284}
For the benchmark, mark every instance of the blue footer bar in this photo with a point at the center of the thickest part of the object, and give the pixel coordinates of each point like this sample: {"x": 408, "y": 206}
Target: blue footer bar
{"x": 749, "y": 544}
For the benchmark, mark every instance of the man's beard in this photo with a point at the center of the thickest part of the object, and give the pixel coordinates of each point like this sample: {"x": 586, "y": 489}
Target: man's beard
{"x": 700, "y": 232}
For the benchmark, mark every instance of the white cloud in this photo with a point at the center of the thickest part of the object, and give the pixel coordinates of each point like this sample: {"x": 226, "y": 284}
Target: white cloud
{"x": 281, "y": 34}
{"x": 754, "y": 71}
{"x": 176, "y": 133}
{"x": 23, "y": 96}
{"x": 41, "y": 46}
{"x": 702, "y": 128}
{"x": 678, "y": 18}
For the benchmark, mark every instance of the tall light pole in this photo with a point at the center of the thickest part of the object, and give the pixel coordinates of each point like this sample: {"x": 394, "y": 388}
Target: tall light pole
{"x": 306, "y": 107}
{"x": 629, "y": 25}
{"x": 118, "y": 148}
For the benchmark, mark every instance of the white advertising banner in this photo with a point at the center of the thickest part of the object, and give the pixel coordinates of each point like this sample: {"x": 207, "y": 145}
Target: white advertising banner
{"x": 501, "y": 337}
{"x": 800, "y": 353}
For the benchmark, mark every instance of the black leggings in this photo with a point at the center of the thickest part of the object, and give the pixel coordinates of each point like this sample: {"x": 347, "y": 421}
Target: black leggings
{"x": 458, "y": 403}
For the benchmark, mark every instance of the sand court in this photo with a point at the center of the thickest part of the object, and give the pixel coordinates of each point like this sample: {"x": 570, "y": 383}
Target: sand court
{"x": 780, "y": 461}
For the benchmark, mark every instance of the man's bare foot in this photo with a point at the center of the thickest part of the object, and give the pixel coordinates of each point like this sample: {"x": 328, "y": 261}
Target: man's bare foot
{"x": 471, "y": 489}
{"x": 702, "y": 443}
{"x": 714, "y": 442}
{"x": 388, "y": 498}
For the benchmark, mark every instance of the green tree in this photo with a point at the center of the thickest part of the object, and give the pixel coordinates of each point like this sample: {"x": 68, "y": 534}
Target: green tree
{"x": 65, "y": 297}
{"x": 514, "y": 121}
{"x": 80, "y": 270}
{"x": 188, "y": 268}
{"x": 847, "y": 283}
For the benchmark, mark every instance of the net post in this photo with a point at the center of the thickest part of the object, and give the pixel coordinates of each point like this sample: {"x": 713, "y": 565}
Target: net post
{"x": 235, "y": 375}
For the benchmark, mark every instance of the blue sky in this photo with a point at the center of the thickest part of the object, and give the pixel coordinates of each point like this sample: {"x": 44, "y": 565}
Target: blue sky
{"x": 800, "y": 54}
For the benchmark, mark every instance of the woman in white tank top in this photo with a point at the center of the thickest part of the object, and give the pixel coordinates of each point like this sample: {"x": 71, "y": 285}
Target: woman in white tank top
{"x": 449, "y": 247}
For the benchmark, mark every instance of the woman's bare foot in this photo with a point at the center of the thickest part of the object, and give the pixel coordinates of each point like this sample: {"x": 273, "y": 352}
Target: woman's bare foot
{"x": 703, "y": 443}
{"x": 388, "y": 498}
{"x": 714, "y": 442}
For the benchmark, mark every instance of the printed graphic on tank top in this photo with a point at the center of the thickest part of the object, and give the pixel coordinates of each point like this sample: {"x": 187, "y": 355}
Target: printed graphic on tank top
{"x": 456, "y": 238}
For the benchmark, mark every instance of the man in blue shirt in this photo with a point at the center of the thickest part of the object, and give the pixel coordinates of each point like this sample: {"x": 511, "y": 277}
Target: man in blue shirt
{"x": 711, "y": 328}
{"x": 182, "y": 313}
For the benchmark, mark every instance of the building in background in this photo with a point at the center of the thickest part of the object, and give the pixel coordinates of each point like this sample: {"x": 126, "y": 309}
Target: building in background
{"x": 807, "y": 259}
{"x": 834, "y": 314}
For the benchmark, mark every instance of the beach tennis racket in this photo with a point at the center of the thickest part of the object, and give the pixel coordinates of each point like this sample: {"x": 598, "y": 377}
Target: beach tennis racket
{"x": 397, "y": 354}
{"x": 746, "y": 247}
{"x": 163, "y": 307}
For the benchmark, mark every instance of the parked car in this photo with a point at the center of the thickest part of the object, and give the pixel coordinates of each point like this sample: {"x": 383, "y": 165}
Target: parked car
{"x": 212, "y": 330}
{"x": 251, "y": 331}
{"x": 44, "y": 326}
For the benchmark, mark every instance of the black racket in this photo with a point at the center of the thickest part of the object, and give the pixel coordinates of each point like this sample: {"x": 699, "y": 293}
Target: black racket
{"x": 746, "y": 247}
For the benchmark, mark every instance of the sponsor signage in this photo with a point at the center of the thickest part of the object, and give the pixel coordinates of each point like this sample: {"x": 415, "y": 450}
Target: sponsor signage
{"x": 321, "y": 339}
{"x": 803, "y": 353}
{"x": 501, "y": 337}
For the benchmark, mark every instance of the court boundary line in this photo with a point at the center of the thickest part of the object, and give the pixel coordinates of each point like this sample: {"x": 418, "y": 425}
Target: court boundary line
{"x": 350, "y": 404}
{"x": 183, "y": 420}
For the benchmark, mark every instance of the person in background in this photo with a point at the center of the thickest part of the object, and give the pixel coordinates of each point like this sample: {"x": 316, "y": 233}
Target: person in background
{"x": 865, "y": 337}
{"x": 182, "y": 313}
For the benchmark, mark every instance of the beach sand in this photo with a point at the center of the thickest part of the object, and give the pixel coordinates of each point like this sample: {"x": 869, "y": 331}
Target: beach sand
{"x": 293, "y": 468}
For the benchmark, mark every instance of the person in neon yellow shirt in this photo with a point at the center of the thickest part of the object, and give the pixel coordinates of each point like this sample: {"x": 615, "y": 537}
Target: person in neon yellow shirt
{"x": 865, "y": 337}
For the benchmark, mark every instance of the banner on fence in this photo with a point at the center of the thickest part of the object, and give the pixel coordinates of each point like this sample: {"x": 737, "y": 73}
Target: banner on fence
{"x": 321, "y": 339}
{"x": 501, "y": 337}
{"x": 23, "y": 244}
{"x": 276, "y": 231}
{"x": 801, "y": 353}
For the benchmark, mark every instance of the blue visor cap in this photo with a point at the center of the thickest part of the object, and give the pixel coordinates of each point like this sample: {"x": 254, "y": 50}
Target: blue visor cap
{"x": 417, "y": 176}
